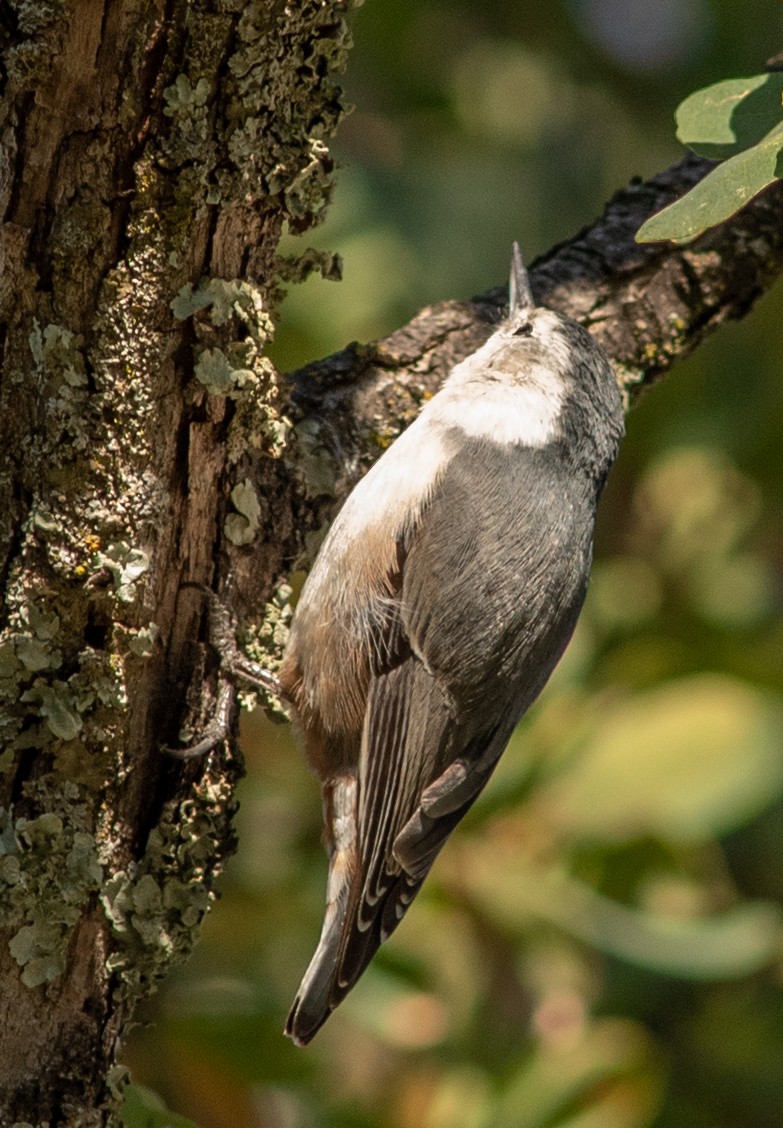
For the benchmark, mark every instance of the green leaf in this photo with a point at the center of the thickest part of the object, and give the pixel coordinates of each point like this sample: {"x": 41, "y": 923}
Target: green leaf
{"x": 722, "y": 120}
{"x": 720, "y": 194}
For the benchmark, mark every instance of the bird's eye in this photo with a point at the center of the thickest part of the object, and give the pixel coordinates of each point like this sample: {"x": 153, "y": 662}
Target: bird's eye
{"x": 524, "y": 330}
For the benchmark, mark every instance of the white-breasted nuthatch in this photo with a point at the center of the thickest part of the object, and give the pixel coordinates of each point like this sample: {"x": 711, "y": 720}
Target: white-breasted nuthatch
{"x": 439, "y": 603}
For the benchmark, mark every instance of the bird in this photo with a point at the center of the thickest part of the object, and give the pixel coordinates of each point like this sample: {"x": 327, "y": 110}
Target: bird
{"x": 440, "y": 601}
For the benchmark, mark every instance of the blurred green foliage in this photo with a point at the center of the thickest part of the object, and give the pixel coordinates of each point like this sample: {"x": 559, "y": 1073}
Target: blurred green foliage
{"x": 599, "y": 946}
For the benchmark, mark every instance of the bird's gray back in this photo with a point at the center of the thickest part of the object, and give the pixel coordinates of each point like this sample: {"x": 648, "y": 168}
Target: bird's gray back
{"x": 504, "y": 546}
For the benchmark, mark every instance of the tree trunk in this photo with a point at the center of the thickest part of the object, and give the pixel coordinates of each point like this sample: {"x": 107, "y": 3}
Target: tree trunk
{"x": 150, "y": 155}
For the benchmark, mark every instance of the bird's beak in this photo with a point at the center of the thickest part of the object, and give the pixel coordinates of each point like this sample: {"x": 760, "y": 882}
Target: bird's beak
{"x": 520, "y": 297}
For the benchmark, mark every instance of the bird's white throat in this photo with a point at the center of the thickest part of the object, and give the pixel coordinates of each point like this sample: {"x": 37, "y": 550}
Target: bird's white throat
{"x": 507, "y": 414}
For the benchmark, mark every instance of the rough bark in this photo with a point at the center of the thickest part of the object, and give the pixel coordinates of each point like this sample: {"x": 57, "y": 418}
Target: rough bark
{"x": 150, "y": 153}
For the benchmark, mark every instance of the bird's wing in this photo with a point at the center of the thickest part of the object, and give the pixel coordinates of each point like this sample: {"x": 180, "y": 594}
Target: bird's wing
{"x": 420, "y": 768}
{"x": 410, "y": 793}
{"x": 417, "y": 778}
{"x": 485, "y": 594}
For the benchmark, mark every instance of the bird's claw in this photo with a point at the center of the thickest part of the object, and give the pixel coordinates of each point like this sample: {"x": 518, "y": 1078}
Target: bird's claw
{"x": 234, "y": 665}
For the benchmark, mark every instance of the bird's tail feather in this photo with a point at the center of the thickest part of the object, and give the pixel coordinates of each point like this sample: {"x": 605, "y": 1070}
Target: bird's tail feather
{"x": 320, "y": 990}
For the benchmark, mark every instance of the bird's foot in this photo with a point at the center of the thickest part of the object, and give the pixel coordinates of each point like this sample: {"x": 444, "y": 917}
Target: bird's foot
{"x": 234, "y": 666}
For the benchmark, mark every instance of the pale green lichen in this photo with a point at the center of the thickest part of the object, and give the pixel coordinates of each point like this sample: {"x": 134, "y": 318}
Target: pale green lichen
{"x": 233, "y": 326}
{"x": 43, "y": 518}
{"x": 191, "y": 140}
{"x": 274, "y": 54}
{"x": 142, "y": 641}
{"x": 58, "y": 352}
{"x": 56, "y": 703}
{"x": 32, "y": 16}
{"x": 117, "y": 1080}
{"x": 95, "y": 690}
{"x": 44, "y": 624}
{"x": 27, "y": 60}
{"x": 48, "y": 869}
{"x": 226, "y": 299}
{"x": 306, "y": 191}
{"x": 156, "y": 906}
{"x": 126, "y": 565}
{"x": 241, "y": 527}
{"x": 298, "y": 268}
{"x": 219, "y": 376}
{"x": 29, "y": 648}
{"x": 61, "y": 371}
{"x": 264, "y": 642}
{"x": 182, "y": 98}
{"x": 36, "y": 655}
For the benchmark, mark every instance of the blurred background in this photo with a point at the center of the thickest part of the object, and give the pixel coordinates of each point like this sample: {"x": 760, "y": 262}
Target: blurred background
{"x": 601, "y": 943}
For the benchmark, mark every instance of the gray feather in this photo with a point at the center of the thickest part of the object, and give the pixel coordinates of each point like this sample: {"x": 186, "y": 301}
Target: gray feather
{"x": 443, "y": 596}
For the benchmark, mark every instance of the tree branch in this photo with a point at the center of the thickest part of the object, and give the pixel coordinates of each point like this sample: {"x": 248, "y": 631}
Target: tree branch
{"x": 649, "y": 306}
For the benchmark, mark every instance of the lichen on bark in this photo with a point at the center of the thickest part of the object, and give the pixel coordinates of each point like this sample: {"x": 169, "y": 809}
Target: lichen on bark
{"x": 143, "y": 427}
